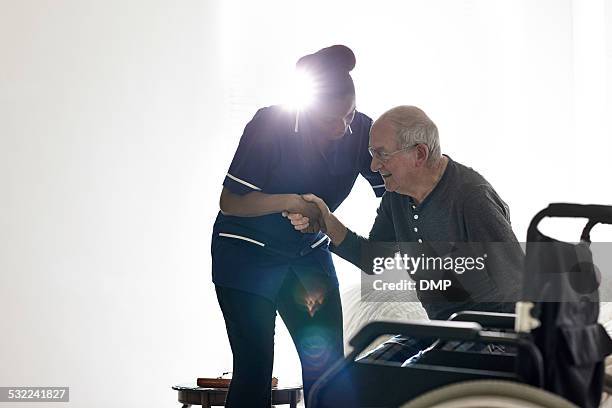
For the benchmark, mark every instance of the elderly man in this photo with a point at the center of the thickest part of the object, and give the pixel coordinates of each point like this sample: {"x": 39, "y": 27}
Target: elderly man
{"x": 431, "y": 201}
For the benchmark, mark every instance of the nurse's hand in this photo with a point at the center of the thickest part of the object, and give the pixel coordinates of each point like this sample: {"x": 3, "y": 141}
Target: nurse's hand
{"x": 302, "y": 223}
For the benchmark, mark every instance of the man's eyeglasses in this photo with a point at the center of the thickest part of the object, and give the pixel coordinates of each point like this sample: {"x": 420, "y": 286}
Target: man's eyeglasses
{"x": 385, "y": 157}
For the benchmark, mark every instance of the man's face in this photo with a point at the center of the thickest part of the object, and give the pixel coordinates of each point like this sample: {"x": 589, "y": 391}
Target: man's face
{"x": 397, "y": 170}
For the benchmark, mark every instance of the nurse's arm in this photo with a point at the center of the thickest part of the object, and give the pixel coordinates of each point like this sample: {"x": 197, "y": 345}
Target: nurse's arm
{"x": 256, "y": 204}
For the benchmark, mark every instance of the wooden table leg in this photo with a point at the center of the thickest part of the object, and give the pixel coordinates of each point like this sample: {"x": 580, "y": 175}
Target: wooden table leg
{"x": 205, "y": 400}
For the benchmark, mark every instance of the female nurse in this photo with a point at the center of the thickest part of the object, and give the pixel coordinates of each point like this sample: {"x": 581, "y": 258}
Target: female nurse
{"x": 261, "y": 265}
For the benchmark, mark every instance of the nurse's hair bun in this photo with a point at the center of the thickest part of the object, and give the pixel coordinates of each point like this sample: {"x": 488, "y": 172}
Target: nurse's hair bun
{"x": 330, "y": 67}
{"x": 334, "y": 58}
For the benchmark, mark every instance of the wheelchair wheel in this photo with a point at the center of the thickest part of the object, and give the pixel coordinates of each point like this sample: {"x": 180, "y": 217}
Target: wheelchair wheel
{"x": 608, "y": 378}
{"x": 488, "y": 394}
{"x": 606, "y": 398}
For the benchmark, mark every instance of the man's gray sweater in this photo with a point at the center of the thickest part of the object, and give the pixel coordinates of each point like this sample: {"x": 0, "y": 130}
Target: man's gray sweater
{"x": 462, "y": 208}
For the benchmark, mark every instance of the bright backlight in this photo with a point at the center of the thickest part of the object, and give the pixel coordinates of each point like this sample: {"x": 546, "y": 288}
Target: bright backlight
{"x": 304, "y": 88}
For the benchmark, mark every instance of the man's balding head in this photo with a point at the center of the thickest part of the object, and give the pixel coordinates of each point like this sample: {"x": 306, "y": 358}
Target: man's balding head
{"x": 412, "y": 126}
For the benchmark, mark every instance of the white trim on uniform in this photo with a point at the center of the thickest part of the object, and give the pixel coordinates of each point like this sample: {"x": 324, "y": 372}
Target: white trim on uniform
{"x": 223, "y": 234}
{"x": 316, "y": 244}
{"x": 378, "y": 186}
{"x": 236, "y": 179}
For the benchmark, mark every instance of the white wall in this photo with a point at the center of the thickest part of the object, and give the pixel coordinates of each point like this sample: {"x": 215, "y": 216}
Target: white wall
{"x": 108, "y": 112}
{"x": 118, "y": 120}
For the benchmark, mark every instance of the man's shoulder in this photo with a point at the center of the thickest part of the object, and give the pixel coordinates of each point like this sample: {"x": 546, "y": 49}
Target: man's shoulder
{"x": 468, "y": 175}
{"x": 473, "y": 190}
{"x": 470, "y": 182}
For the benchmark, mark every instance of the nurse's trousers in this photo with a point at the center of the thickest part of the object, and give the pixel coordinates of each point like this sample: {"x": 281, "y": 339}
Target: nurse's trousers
{"x": 250, "y": 321}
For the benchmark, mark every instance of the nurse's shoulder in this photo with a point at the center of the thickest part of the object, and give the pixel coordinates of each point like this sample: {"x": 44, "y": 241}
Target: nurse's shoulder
{"x": 361, "y": 123}
{"x": 360, "y": 128}
{"x": 269, "y": 122}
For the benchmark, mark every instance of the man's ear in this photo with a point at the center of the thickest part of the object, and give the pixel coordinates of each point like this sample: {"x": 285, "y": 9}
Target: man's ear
{"x": 422, "y": 154}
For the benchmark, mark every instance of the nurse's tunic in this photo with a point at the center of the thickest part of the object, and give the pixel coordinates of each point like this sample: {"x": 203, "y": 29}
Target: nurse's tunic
{"x": 254, "y": 254}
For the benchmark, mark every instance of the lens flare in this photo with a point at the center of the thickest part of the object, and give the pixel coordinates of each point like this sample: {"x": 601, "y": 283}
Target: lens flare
{"x": 304, "y": 89}
{"x": 315, "y": 345}
{"x": 313, "y": 303}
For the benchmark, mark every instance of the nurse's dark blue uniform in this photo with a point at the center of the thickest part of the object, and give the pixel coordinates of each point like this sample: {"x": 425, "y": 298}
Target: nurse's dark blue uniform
{"x": 253, "y": 254}
{"x": 262, "y": 265}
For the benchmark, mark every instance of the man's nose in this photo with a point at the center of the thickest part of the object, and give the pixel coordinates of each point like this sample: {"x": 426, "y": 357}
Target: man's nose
{"x": 375, "y": 165}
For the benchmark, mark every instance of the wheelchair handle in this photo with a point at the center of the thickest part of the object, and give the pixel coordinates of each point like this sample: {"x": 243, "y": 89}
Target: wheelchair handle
{"x": 596, "y": 214}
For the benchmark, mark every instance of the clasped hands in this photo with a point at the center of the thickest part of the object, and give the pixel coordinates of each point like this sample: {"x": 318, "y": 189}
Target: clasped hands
{"x": 308, "y": 214}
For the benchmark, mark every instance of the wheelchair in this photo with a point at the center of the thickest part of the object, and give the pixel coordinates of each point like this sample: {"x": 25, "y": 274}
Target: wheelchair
{"x": 555, "y": 346}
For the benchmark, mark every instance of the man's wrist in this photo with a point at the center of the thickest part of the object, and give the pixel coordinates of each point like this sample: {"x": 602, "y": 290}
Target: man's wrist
{"x": 336, "y": 231}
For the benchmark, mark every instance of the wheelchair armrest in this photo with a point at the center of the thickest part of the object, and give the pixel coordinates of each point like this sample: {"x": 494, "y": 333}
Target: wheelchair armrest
{"x": 486, "y": 319}
{"x": 438, "y": 329}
